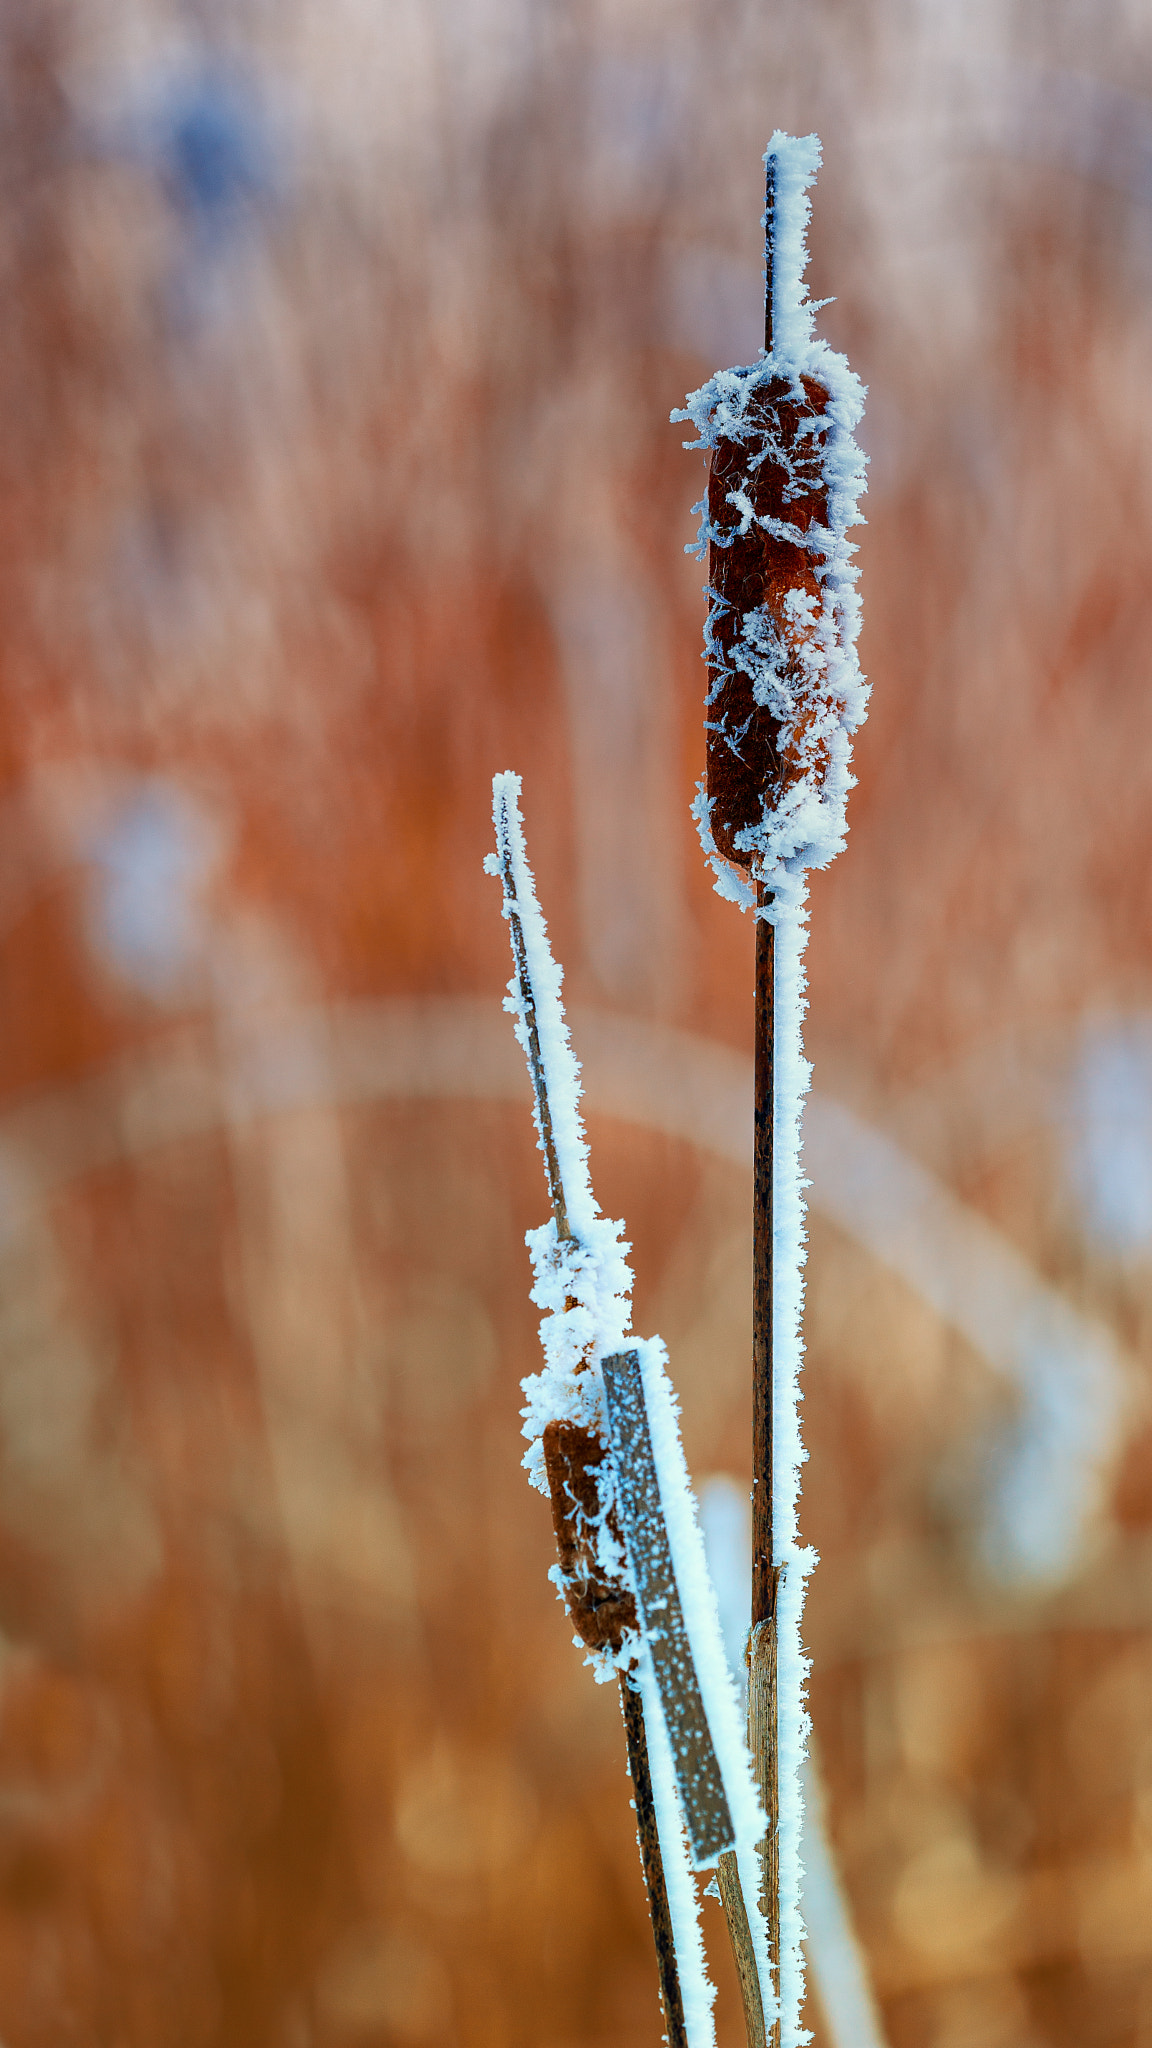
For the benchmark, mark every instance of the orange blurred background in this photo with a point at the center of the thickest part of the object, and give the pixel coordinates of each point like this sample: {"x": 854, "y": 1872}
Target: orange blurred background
{"x": 337, "y": 349}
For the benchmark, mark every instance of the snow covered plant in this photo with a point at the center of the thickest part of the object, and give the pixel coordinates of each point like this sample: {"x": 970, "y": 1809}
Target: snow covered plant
{"x": 784, "y": 698}
{"x": 785, "y": 693}
{"x": 602, "y": 1424}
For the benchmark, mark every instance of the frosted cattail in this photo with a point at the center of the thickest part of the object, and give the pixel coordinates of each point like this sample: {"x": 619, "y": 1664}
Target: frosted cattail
{"x": 604, "y": 1443}
{"x": 785, "y": 692}
{"x": 767, "y": 668}
{"x": 784, "y": 697}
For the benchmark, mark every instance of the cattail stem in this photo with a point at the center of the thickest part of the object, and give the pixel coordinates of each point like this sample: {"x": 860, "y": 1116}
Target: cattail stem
{"x": 763, "y": 1731}
{"x": 763, "y": 1658}
{"x": 763, "y": 1191}
{"x": 763, "y": 1726}
{"x": 648, "y": 1837}
{"x": 763, "y": 1586}
{"x": 769, "y": 221}
{"x": 743, "y": 1953}
{"x": 535, "y": 1056}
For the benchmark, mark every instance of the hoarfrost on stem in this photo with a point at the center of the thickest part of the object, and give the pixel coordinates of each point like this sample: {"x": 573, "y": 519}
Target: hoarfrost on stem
{"x": 583, "y": 1283}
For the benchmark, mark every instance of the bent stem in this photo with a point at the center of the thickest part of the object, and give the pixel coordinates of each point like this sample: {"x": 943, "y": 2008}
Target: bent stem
{"x": 535, "y": 1056}
{"x": 651, "y": 1858}
{"x": 648, "y": 1837}
{"x": 743, "y": 1953}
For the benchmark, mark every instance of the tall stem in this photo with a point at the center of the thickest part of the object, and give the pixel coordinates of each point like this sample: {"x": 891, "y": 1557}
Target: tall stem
{"x": 763, "y": 1580}
{"x": 769, "y": 223}
{"x": 535, "y": 1056}
{"x": 763, "y": 1730}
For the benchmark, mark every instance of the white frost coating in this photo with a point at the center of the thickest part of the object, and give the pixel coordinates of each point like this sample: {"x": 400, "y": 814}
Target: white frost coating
{"x": 792, "y": 1075}
{"x": 561, "y": 1067}
{"x": 702, "y": 1620}
{"x": 584, "y": 1290}
{"x": 696, "y": 1990}
{"x": 796, "y": 159}
{"x": 810, "y": 679}
{"x": 585, "y": 1285}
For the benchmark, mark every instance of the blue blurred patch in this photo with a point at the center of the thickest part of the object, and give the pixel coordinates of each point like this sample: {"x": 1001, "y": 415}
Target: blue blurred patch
{"x": 215, "y": 152}
{"x": 1110, "y": 1155}
{"x": 151, "y": 858}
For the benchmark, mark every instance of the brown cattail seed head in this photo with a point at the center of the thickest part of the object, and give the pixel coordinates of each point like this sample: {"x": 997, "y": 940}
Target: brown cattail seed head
{"x": 754, "y": 754}
{"x": 602, "y": 1607}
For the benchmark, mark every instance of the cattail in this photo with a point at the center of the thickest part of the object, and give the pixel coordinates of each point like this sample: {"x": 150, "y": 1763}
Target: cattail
{"x": 767, "y": 670}
{"x": 604, "y": 1443}
{"x": 784, "y": 697}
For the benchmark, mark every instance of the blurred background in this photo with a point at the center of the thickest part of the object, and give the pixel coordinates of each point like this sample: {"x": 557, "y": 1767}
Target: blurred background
{"x": 337, "y": 349}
